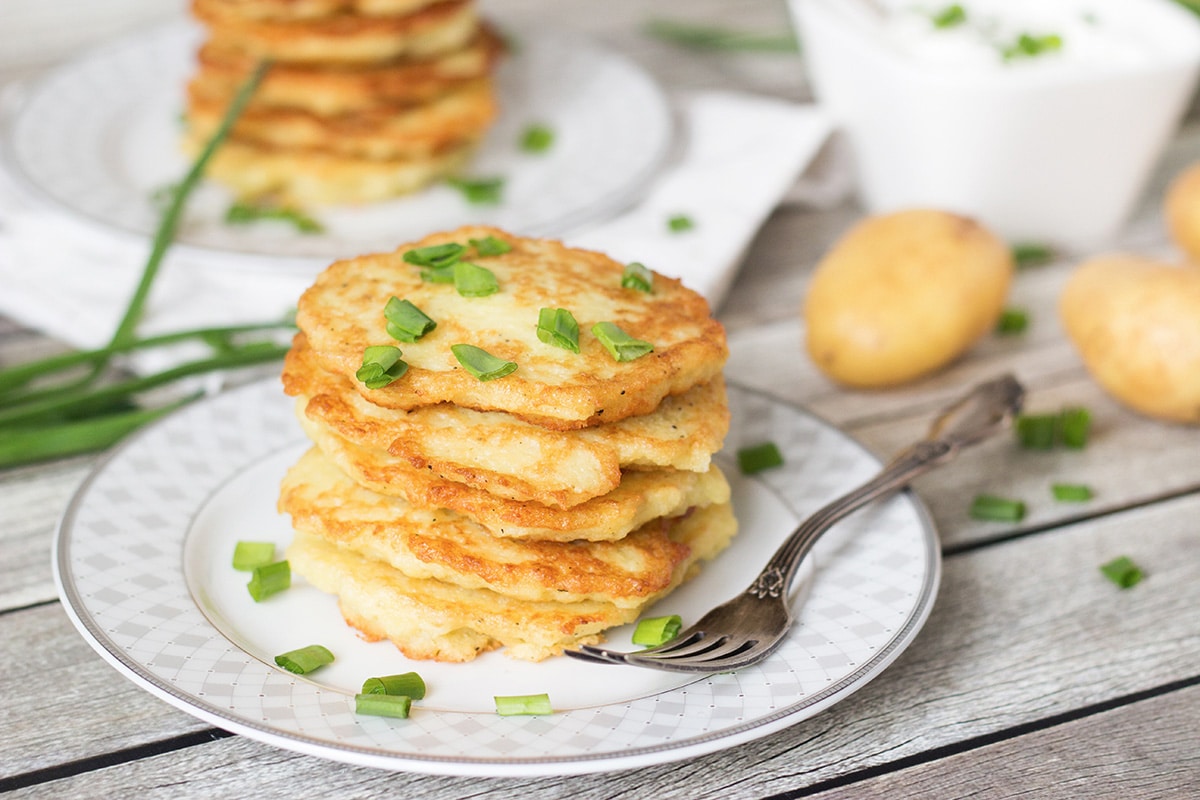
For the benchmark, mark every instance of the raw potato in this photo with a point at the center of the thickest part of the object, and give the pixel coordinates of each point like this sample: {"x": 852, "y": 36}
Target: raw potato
{"x": 1136, "y": 324}
{"x": 1182, "y": 210}
{"x": 903, "y": 294}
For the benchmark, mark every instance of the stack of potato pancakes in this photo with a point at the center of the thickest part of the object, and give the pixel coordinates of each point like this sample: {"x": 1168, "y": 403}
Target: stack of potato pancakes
{"x": 476, "y": 480}
{"x": 364, "y": 100}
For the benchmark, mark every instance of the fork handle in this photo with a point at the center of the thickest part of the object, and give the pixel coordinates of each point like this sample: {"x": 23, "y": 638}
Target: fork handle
{"x": 776, "y": 578}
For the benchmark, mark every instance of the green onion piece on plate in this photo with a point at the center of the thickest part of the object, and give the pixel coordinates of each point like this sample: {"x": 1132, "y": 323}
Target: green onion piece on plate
{"x": 997, "y": 509}
{"x": 1072, "y": 492}
{"x": 381, "y": 366}
{"x": 480, "y": 191}
{"x": 245, "y": 213}
{"x": 537, "y": 139}
{"x": 558, "y": 327}
{"x": 435, "y": 255}
{"x": 408, "y": 684}
{"x": 248, "y": 555}
{"x": 1074, "y": 425}
{"x": 654, "y": 631}
{"x": 269, "y": 579}
{"x": 680, "y": 223}
{"x": 1037, "y": 431}
{"x": 1012, "y": 320}
{"x": 304, "y": 660}
{"x": 490, "y": 246}
{"x": 382, "y": 705}
{"x": 523, "y": 704}
{"x": 472, "y": 280}
{"x": 949, "y": 17}
{"x": 438, "y": 274}
{"x": 480, "y": 363}
{"x": 637, "y": 276}
{"x": 619, "y": 344}
{"x": 1123, "y": 572}
{"x": 759, "y": 457}
{"x": 406, "y": 322}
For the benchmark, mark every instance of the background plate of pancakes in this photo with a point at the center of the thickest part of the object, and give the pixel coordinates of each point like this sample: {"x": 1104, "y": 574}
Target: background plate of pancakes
{"x": 95, "y": 139}
{"x": 142, "y": 563}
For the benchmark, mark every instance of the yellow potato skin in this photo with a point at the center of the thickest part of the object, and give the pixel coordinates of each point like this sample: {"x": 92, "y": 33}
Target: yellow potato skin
{"x": 1182, "y": 211}
{"x": 1136, "y": 323}
{"x": 902, "y": 294}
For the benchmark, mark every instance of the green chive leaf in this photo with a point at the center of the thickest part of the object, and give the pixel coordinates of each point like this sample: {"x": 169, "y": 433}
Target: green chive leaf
{"x": 435, "y": 255}
{"x": 1030, "y": 45}
{"x": 472, "y": 280}
{"x": 382, "y": 705}
{"x": 406, "y": 322}
{"x": 524, "y": 704}
{"x": 490, "y": 246}
{"x": 1012, "y": 320}
{"x": 304, "y": 660}
{"x": 1031, "y": 254}
{"x": 637, "y": 276}
{"x": 558, "y": 327}
{"x": 408, "y": 684}
{"x": 654, "y": 631}
{"x": 1037, "y": 431}
{"x": 248, "y": 555}
{"x": 381, "y": 366}
{"x": 759, "y": 457}
{"x": 480, "y": 191}
{"x": 680, "y": 223}
{"x": 950, "y": 16}
{"x": 245, "y": 213}
{"x": 1071, "y": 492}
{"x": 997, "y": 509}
{"x": 1075, "y": 424}
{"x": 1123, "y": 572}
{"x": 269, "y": 579}
{"x": 537, "y": 139}
{"x": 619, "y": 344}
{"x": 438, "y": 274}
{"x": 480, "y": 363}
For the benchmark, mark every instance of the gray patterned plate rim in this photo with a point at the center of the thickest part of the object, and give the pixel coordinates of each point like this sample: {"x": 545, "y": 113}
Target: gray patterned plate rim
{"x": 120, "y": 571}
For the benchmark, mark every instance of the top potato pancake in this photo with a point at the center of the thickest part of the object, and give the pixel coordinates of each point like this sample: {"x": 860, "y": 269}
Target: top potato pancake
{"x": 342, "y": 313}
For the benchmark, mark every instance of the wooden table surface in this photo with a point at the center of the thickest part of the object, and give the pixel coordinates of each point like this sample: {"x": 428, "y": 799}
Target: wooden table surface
{"x": 1034, "y": 676}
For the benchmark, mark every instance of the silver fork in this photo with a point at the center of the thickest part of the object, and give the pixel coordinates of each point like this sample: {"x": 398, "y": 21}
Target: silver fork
{"x": 748, "y": 628}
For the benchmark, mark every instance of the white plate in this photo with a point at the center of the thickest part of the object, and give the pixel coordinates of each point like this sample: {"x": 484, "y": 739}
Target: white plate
{"x": 142, "y": 564}
{"x": 95, "y": 138}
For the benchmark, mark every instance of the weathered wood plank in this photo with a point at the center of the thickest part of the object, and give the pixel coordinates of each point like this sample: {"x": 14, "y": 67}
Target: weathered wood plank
{"x": 1022, "y": 631}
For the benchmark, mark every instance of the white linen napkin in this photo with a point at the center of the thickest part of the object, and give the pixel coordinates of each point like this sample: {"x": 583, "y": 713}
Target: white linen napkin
{"x": 740, "y": 155}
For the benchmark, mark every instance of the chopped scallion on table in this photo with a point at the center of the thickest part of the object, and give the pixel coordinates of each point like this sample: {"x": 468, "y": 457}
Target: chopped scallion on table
{"x": 1037, "y": 431}
{"x": 480, "y": 191}
{"x": 1123, "y": 572}
{"x": 637, "y": 276}
{"x": 269, "y": 579}
{"x": 680, "y": 223}
{"x": 558, "y": 327}
{"x": 305, "y": 659}
{"x": 1075, "y": 424}
{"x": 523, "y": 704}
{"x": 472, "y": 280}
{"x": 1031, "y": 254}
{"x": 997, "y": 509}
{"x": 409, "y": 684}
{"x": 248, "y": 555}
{"x": 619, "y": 344}
{"x": 406, "y": 322}
{"x": 396, "y": 706}
{"x": 381, "y": 366}
{"x": 490, "y": 246}
{"x": 654, "y": 631}
{"x": 758, "y": 457}
{"x": 1071, "y": 492}
{"x": 537, "y": 139}
{"x": 480, "y": 363}
{"x": 1012, "y": 320}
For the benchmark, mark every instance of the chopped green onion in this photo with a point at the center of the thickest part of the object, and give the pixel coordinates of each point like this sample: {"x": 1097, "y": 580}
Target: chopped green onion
{"x": 1075, "y": 423}
{"x": 472, "y": 280}
{"x": 406, "y": 322}
{"x": 657, "y": 630}
{"x": 480, "y": 363}
{"x": 480, "y": 191}
{"x": 759, "y": 457}
{"x": 248, "y": 555}
{"x": 435, "y": 255}
{"x": 1071, "y": 492}
{"x": 245, "y": 213}
{"x": 619, "y": 344}
{"x": 680, "y": 223}
{"x": 1037, "y": 431}
{"x": 528, "y": 704}
{"x": 269, "y": 579}
{"x": 490, "y": 246}
{"x": 1029, "y": 45}
{"x": 381, "y": 366}
{"x": 1030, "y": 254}
{"x": 438, "y": 274}
{"x": 1012, "y": 320}
{"x": 383, "y": 705}
{"x": 703, "y": 37}
{"x": 637, "y": 276}
{"x": 304, "y": 660}
{"x": 1123, "y": 572}
{"x": 949, "y": 17}
{"x": 997, "y": 509}
{"x": 558, "y": 327}
{"x": 408, "y": 684}
{"x": 537, "y": 139}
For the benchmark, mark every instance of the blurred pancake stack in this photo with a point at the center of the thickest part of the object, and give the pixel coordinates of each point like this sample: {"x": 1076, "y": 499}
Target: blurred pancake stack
{"x": 533, "y": 507}
{"x": 365, "y": 99}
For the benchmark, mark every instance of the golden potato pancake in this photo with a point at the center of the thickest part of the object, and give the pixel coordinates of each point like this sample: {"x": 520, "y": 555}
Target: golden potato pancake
{"x": 345, "y": 38}
{"x": 315, "y": 9}
{"x": 435, "y": 543}
{"x": 642, "y": 495}
{"x": 342, "y": 314}
{"x": 507, "y": 456}
{"x": 309, "y": 178}
{"x": 456, "y": 117}
{"x": 331, "y": 89}
{"x": 430, "y": 619}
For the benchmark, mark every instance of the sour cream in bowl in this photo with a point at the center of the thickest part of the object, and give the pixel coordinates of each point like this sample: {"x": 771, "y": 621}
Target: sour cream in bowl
{"x": 1041, "y": 118}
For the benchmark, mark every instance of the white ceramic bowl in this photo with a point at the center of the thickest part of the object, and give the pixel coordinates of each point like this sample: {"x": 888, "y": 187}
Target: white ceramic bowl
{"x": 1050, "y": 149}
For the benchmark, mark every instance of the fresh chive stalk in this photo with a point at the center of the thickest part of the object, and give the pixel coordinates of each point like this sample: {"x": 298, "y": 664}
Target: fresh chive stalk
{"x": 523, "y": 704}
{"x": 558, "y": 327}
{"x": 1071, "y": 492}
{"x": 305, "y": 659}
{"x": 408, "y": 684}
{"x": 997, "y": 509}
{"x": 619, "y": 344}
{"x": 382, "y": 705}
{"x": 480, "y": 363}
{"x": 269, "y": 579}
{"x": 1123, "y": 572}
{"x": 758, "y": 457}
{"x": 249, "y": 555}
{"x": 654, "y": 631}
